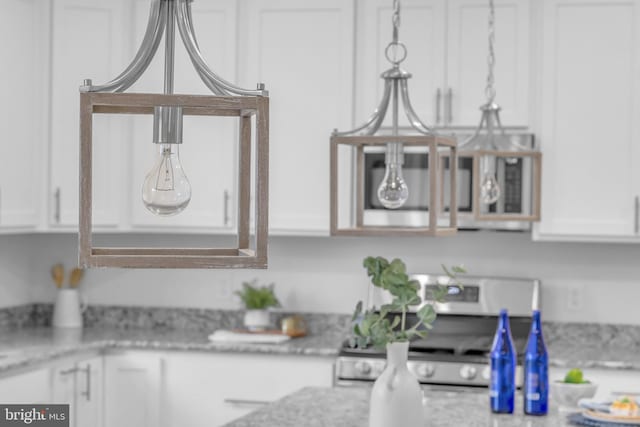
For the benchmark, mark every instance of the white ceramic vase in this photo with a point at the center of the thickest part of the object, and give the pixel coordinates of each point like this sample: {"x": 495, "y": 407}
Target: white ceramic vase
{"x": 396, "y": 397}
{"x": 68, "y": 309}
{"x": 257, "y": 320}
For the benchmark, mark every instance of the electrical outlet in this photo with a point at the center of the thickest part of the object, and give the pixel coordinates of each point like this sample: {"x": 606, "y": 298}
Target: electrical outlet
{"x": 223, "y": 287}
{"x": 575, "y": 297}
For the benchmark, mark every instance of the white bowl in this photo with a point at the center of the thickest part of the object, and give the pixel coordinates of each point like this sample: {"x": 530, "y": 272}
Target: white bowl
{"x": 567, "y": 395}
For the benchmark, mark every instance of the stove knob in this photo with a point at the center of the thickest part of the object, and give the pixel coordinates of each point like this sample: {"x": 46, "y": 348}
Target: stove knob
{"x": 425, "y": 370}
{"x": 468, "y": 372}
{"x": 363, "y": 368}
{"x": 486, "y": 373}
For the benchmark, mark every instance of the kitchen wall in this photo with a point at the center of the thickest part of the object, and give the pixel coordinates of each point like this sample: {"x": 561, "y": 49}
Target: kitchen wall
{"x": 581, "y": 282}
{"x": 15, "y": 264}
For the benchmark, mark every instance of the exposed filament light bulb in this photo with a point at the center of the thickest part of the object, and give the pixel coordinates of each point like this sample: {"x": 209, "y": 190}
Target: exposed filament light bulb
{"x": 166, "y": 190}
{"x": 489, "y": 189}
{"x": 393, "y": 191}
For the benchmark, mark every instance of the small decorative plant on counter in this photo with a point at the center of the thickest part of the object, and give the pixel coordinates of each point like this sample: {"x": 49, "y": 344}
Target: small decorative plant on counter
{"x": 396, "y": 396}
{"x": 257, "y": 300}
{"x": 374, "y": 326}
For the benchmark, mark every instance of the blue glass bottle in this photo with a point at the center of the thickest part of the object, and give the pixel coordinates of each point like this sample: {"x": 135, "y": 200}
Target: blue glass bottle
{"x": 503, "y": 368}
{"x": 536, "y": 370}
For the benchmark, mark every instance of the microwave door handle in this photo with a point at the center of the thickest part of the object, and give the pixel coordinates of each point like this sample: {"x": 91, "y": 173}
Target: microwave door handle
{"x": 636, "y": 225}
{"x": 438, "y": 102}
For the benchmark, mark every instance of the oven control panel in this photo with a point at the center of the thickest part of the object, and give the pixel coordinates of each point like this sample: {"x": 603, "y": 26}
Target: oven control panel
{"x": 355, "y": 369}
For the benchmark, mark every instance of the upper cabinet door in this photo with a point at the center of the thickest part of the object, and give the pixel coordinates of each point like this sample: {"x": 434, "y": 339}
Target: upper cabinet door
{"x": 209, "y": 150}
{"x": 87, "y": 43}
{"x": 22, "y": 78}
{"x": 303, "y": 52}
{"x": 589, "y": 128}
{"x": 422, "y": 31}
{"x": 467, "y": 66}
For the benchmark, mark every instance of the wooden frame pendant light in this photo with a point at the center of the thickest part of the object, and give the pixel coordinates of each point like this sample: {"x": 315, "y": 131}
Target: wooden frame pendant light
{"x": 496, "y": 154}
{"x": 348, "y": 149}
{"x": 250, "y": 107}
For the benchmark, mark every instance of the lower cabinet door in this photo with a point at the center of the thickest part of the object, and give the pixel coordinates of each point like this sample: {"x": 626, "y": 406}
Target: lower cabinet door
{"x": 208, "y": 390}
{"x": 133, "y": 390}
{"x": 78, "y": 383}
{"x": 29, "y": 387}
{"x": 89, "y": 388}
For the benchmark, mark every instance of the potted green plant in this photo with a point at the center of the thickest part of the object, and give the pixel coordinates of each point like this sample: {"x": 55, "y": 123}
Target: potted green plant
{"x": 396, "y": 397}
{"x": 257, "y": 300}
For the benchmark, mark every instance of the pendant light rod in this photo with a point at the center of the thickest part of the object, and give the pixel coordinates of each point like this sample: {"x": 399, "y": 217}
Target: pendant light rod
{"x": 395, "y": 90}
{"x": 163, "y": 16}
{"x": 169, "y": 49}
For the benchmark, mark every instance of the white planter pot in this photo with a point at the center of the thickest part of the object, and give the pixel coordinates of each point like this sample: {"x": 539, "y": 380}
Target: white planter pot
{"x": 396, "y": 396}
{"x": 257, "y": 320}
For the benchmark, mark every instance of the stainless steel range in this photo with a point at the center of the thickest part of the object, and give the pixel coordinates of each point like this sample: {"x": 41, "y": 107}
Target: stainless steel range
{"x": 456, "y": 351}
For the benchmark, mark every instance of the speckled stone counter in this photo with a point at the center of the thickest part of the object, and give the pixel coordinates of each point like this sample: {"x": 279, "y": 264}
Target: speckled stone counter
{"x": 349, "y": 407}
{"x": 26, "y": 337}
{"x": 32, "y": 346}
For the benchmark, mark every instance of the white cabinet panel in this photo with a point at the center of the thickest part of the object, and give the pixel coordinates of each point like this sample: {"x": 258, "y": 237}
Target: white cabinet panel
{"x": 79, "y": 383}
{"x": 133, "y": 390}
{"x": 589, "y": 128}
{"x": 303, "y": 52}
{"x": 87, "y": 42}
{"x": 209, "y": 151}
{"x": 206, "y": 390}
{"x": 20, "y": 112}
{"x": 29, "y": 387}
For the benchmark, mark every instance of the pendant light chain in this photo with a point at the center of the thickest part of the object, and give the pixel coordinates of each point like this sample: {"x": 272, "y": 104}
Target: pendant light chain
{"x": 395, "y": 20}
{"x": 490, "y": 91}
{"x": 396, "y": 52}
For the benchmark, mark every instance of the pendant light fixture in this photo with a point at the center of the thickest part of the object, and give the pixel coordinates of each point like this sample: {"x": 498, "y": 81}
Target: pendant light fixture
{"x": 392, "y": 190}
{"x": 166, "y": 189}
{"x": 496, "y": 154}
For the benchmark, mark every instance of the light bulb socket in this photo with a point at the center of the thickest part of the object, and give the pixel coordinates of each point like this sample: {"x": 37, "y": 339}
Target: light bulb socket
{"x": 167, "y": 124}
{"x": 394, "y": 154}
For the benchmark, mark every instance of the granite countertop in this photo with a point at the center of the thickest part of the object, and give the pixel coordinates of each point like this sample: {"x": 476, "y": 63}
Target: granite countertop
{"x": 349, "y": 407}
{"x": 25, "y": 347}
{"x": 26, "y": 338}
{"x": 32, "y": 346}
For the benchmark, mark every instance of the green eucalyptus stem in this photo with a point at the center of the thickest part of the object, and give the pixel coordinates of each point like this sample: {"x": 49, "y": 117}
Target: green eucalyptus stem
{"x": 404, "y": 318}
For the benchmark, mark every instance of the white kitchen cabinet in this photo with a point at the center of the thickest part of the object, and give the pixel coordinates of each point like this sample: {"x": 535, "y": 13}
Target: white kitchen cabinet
{"x": 447, "y": 43}
{"x": 79, "y": 383}
{"x": 133, "y": 390}
{"x": 303, "y": 52}
{"x": 209, "y": 151}
{"x": 88, "y": 42}
{"x": 207, "y": 390}
{"x": 21, "y": 112}
{"x": 608, "y": 380}
{"x": 28, "y": 387}
{"x": 589, "y": 98}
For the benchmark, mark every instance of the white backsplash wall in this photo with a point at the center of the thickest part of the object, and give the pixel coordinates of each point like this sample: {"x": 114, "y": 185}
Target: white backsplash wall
{"x": 581, "y": 282}
{"x": 15, "y": 263}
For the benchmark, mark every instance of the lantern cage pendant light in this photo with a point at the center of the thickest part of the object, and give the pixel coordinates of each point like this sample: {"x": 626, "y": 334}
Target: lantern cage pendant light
{"x": 393, "y": 191}
{"x": 166, "y": 190}
{"x": 494, "y": 151}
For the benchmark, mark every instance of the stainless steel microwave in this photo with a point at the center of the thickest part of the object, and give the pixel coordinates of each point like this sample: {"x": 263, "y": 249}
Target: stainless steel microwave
{"x": 514, "y": 177}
